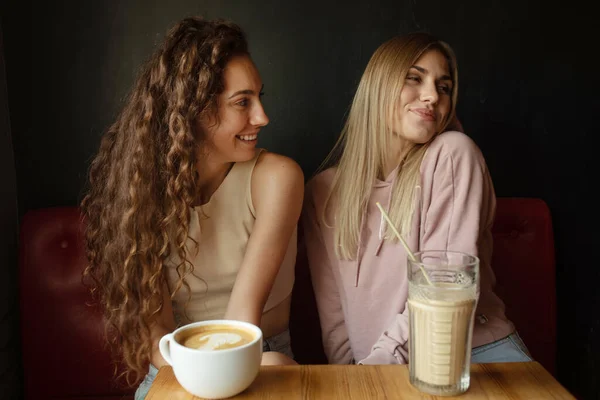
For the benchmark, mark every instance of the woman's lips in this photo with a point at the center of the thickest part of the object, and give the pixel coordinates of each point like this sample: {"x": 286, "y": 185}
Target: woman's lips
{"x": 424, "y": 113}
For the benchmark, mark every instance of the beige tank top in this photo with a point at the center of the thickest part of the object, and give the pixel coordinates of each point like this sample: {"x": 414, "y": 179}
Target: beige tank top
{"x": 221, "y": 228}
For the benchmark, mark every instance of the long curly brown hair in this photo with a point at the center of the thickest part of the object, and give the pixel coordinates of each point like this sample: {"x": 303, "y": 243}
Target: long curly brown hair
{"x": 144, "y": 180}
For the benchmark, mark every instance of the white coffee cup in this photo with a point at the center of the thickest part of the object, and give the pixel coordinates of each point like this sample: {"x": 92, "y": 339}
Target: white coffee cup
{"x": 213, "y": 374}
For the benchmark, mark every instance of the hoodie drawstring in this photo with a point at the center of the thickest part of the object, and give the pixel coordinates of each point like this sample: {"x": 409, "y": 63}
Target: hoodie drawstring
{"x": 383, "y": 222}
{"x": 382, "y": 226}
{"x": 358, "y": 252}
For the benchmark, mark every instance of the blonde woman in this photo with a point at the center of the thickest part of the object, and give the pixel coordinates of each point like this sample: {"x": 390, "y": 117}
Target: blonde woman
{"x": 396, "y": 149}
{"x": 186, "y": 219}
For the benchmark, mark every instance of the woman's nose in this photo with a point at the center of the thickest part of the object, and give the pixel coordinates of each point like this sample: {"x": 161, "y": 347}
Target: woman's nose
{"x": 429, "y": 93}
{"x": 259, "y": 117}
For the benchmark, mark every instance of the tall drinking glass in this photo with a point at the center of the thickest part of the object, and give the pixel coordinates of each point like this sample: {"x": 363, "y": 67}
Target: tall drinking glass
{"x": 441, "y": 306}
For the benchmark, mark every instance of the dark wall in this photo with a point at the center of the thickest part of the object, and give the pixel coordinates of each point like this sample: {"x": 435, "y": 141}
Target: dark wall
{"x": 528, "y": 96}
{"x": 9, "y": 344}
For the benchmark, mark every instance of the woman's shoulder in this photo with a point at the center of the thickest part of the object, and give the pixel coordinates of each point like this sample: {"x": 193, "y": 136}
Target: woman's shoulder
{"x": 453, "y": 141}
{"x": 452, "y": 154}
{"x": 279, "y": 167}
{"x": 277, "y": 182}
{"x": 454, "y": 144}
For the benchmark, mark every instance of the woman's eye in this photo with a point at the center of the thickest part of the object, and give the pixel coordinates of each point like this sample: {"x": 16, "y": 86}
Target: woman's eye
{"x": 242, "y": 103}
{"x": 413, "y": 78}
{"x": 444, "y": 89}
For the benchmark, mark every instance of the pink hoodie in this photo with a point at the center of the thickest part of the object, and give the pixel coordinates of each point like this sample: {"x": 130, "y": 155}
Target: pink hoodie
{"x": 362, "y": 302}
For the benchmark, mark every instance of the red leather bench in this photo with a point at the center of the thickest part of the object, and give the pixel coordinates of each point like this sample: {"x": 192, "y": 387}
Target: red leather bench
{"x": 524, "y": 264}
{"x": 62, "y": 334}
{"x": 63, "y": 348}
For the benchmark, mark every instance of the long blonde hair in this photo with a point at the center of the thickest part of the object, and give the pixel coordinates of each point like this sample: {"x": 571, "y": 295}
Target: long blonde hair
{"x": 361, "y": 147}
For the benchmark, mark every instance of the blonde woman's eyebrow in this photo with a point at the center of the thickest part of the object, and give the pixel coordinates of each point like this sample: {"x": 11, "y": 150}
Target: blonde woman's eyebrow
{"x": 424, "y": 71}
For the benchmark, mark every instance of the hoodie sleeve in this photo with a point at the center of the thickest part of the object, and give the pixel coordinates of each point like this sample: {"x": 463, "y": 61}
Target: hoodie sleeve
{"x": 333, "y": 327}
{"x": 461, "y": 200}
{"x": 458, "y": 207}
{"x": 392, "y": 345}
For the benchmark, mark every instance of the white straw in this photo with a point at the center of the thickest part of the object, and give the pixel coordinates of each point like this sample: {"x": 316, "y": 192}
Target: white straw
{"x": 410, "y": 254}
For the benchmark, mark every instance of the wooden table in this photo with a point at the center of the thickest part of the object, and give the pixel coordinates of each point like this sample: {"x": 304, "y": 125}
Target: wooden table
{"x": 527, "y": 380}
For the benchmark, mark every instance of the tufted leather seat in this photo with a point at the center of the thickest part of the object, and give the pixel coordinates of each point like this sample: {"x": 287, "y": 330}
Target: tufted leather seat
{"x": 64, "y": 351}
{"x": 63, "y": 347}
{"x": 524, "y": 264}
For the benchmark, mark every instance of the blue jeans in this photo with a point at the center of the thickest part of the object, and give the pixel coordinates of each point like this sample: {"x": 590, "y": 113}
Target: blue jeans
{"x": 280, "y": 343}
{"x": 509, "y": 349}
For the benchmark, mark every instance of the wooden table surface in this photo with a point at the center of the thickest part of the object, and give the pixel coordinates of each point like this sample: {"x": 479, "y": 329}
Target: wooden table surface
{"x": 527, "y": 380}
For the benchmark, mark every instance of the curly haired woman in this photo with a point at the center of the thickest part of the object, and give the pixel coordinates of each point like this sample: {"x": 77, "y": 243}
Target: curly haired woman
{"x": 186, "y": 219}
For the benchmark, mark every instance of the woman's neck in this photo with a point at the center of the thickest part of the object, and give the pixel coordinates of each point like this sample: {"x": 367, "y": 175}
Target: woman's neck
{"x": 211, "y": 174}
{"x": 397, "y": 151}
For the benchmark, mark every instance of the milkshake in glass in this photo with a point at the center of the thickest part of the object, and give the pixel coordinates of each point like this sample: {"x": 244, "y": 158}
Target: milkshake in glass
{"x": 441, "y": 308}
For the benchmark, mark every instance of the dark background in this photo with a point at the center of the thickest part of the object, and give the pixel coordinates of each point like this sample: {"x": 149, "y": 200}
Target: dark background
{"x": 528, "y": 96}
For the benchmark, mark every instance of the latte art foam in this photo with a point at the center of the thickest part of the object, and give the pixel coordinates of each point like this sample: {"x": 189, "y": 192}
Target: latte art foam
{"x": 213, "y": 338}
{"x": 215, "y": 341}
